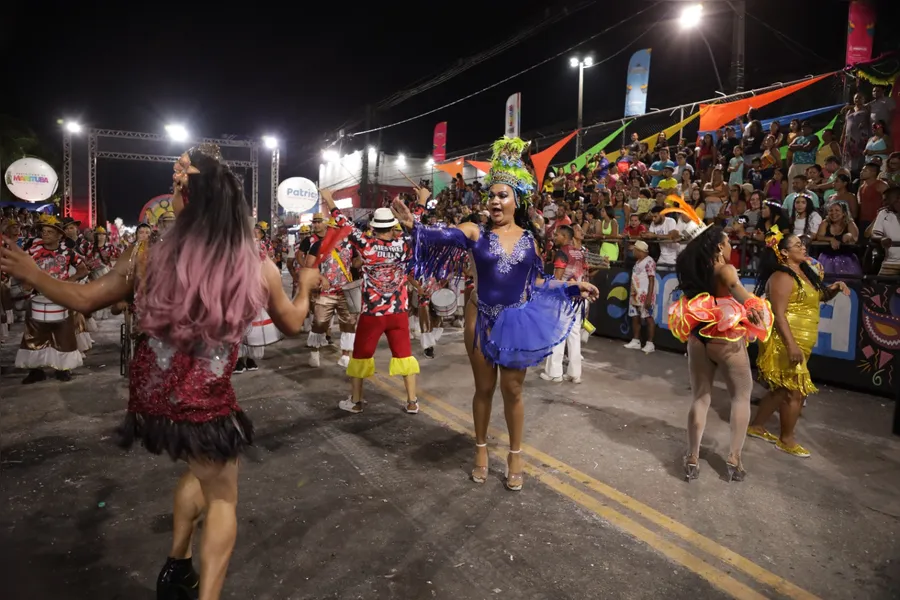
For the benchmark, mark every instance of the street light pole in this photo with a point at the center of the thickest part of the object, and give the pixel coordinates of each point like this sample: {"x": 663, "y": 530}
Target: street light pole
{"x": 581, "y": 65}
{"x": 580, "y": 108}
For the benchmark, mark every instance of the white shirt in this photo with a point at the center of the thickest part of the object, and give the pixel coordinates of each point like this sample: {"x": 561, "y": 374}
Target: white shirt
{"x": 815, "y": 219}
{"x": 668, "y": 251}
{"x": 887, "y": 224}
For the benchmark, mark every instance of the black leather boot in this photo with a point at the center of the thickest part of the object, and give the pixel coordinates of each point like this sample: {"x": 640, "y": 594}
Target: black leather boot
{"x": 178, "y": 581}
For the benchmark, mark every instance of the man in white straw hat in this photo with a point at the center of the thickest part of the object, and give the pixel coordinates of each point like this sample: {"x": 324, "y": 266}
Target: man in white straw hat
{"x": 385, "y": 303}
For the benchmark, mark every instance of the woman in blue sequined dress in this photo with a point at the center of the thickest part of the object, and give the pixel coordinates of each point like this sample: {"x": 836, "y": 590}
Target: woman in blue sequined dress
{"x": 515, "y": 316}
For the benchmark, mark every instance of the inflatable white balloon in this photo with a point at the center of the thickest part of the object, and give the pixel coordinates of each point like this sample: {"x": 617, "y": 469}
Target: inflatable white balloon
{"x": 298, "y": 195}
{"x": 31, "y": 179}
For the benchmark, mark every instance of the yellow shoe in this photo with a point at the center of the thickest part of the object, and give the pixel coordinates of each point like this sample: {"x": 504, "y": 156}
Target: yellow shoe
{"x": 762, "y": 434}
{"x": 795, "y": 450}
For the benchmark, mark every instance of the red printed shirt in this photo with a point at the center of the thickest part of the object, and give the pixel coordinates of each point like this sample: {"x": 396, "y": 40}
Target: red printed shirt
{"x": 99, "y": 256}
{"x": 385, "y": 264}
{"x": 331, "y": 269}
{"x": 573, "y": 261}
{"x": 55, "y": 263}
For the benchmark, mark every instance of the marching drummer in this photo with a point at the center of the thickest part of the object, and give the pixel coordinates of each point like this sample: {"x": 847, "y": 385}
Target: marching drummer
{"x": 430, "y": 323}
{"x": 262, "y": 331}
{"x": 100, "y": 257}
{"x": 49, "y": 339}
{"x": 331, "y": 300}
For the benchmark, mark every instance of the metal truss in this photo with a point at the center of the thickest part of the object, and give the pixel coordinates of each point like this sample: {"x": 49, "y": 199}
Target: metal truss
{"x": 158, "y": 137}
{"x": 276, "y": 155}
{"x": 254, "y": 175}
{"x": 92, "y": 179}
{"x": 67, "y": 173}
{"x": 162, "y": 158}
{"x": 94, "y": 154}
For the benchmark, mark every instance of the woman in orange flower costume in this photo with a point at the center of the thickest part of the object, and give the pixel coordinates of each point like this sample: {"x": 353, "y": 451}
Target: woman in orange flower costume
{"x": 717, "y": 318}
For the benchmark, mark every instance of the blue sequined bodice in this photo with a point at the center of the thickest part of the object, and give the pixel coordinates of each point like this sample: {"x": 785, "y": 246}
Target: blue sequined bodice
{"x": 504, "y": 279}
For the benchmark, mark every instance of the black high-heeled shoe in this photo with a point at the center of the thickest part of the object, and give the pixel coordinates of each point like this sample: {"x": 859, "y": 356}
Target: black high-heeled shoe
{"x": 178, "y": 581}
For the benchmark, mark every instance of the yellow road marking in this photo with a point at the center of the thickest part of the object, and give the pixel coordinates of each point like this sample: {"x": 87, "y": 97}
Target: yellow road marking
{"x": 783, "y": 586}
{"x": 716, "y": 577}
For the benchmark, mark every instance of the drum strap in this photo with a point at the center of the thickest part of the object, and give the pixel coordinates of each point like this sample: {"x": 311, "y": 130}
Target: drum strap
{"x": 337, "y": 257}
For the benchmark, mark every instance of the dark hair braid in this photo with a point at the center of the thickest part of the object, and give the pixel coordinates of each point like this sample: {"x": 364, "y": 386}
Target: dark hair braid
{"x": 695, "y": 265}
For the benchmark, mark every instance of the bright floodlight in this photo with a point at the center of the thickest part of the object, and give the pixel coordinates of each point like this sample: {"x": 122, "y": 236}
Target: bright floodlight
{"x": 690, "y": 16}
{"x": 429, "y": 162}
{"x": 401, "y": 159}
{"x": 177, "y": 132}
{"x": 331, "y": 155}
{"x": 373, "y": 153}
{"x": 573, "y": 61}
{"x": 588, "y": 61}
{"x": 270, "y": 142}
{"x": 73, "y": 127}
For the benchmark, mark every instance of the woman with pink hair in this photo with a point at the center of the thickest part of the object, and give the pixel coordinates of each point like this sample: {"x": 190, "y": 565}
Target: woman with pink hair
{"x": 196, "y": 291}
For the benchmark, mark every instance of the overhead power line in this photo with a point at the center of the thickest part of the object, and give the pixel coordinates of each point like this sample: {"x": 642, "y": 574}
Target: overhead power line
{"x": 532, "y": 67}
{"x": 464, "y": 65}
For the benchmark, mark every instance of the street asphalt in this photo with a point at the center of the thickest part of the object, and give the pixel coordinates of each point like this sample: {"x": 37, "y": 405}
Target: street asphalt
{"x": 379, "y": 505}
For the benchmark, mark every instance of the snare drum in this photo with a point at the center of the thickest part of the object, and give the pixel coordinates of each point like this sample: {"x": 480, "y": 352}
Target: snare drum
{"x": 262, "y": 331}
{"x": 443, "y": 302}
{"x": 45, "y": 311}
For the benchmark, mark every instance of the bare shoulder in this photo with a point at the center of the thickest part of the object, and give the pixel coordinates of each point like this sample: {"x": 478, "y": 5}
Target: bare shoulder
{"x": 471, "y": 230}
{"x": 727, "y": 274}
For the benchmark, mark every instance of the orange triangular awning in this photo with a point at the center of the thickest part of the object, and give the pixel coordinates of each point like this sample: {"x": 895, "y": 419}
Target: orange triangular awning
{"x": 717, "y": 115}
{"x": 541, "y": 160}
{"x": 451, "y": 168}
{"x": 482, "y": 165}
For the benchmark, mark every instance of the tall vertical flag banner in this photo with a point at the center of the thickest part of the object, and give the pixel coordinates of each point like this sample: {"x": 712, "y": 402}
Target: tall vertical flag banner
{"x": 513, "y": 115}
{"x": 860, "y": 32}
{"x": 636, "y": 83}
{"x": 439, "y": 144}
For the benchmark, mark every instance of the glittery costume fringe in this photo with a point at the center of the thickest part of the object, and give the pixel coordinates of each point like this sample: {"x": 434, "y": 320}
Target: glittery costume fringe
{"x": 439, "y": 252}
{"x": 217, "y": 440}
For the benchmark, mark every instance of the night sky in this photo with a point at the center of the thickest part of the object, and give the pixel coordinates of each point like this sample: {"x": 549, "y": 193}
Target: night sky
{"x": 299, "y": 74}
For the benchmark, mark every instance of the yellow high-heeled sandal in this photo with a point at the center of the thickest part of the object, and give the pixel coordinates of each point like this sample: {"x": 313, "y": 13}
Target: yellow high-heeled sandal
{"x": 514, "y": 481}
{"x": 480, "y": 473}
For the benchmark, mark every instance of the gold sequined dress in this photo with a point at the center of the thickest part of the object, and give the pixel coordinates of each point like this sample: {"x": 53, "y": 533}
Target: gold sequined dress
{"x": 775, "y": 368}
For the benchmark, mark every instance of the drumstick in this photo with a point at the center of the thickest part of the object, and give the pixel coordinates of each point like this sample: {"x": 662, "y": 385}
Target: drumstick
{"x": 415, "y": 186}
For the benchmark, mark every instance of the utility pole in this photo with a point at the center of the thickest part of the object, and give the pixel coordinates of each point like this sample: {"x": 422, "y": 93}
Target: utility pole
{"x": 738, "y": 38}
{"x": 364, "y": 175}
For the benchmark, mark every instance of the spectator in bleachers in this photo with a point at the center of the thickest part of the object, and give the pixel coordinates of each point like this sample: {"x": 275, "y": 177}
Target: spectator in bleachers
{"x": 839, "y": 258}
{"x": 870, "y": 194}
{"x": 886, "y": 230}
{"x": 857, "y": 128}
{"x": 776, "y": 188}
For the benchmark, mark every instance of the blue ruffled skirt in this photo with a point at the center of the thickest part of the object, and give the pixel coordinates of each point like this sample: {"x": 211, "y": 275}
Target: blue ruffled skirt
{"x": 522, "y": 335}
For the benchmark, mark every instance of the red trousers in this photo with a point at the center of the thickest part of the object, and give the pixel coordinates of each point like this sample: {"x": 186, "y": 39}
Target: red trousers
{"x": 369, "y": 329}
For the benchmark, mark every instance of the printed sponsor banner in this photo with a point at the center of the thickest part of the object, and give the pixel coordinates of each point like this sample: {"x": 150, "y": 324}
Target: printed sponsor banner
{"x": 637, "y": 82}
{"x": 439, "y": 143}
{"x": 513, "y": 115}
{"x": 860, "y": 32}
{"x": 31, "y": 179}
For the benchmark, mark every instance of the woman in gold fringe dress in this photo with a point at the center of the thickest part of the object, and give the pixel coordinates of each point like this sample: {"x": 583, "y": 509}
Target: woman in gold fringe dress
{"x": 795, "y": 289}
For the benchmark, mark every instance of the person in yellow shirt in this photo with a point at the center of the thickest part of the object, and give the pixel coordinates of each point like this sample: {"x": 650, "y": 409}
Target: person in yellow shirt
{"x": 668, "y": 184}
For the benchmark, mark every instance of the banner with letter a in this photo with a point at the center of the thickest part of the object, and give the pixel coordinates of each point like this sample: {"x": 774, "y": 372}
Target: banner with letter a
{"x": 513, "y": 115}
{"x": 636, "y": 83}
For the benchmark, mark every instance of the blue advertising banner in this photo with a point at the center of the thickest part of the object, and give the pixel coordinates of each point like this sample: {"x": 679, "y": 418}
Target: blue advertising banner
{"x": 636, "y": 83}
